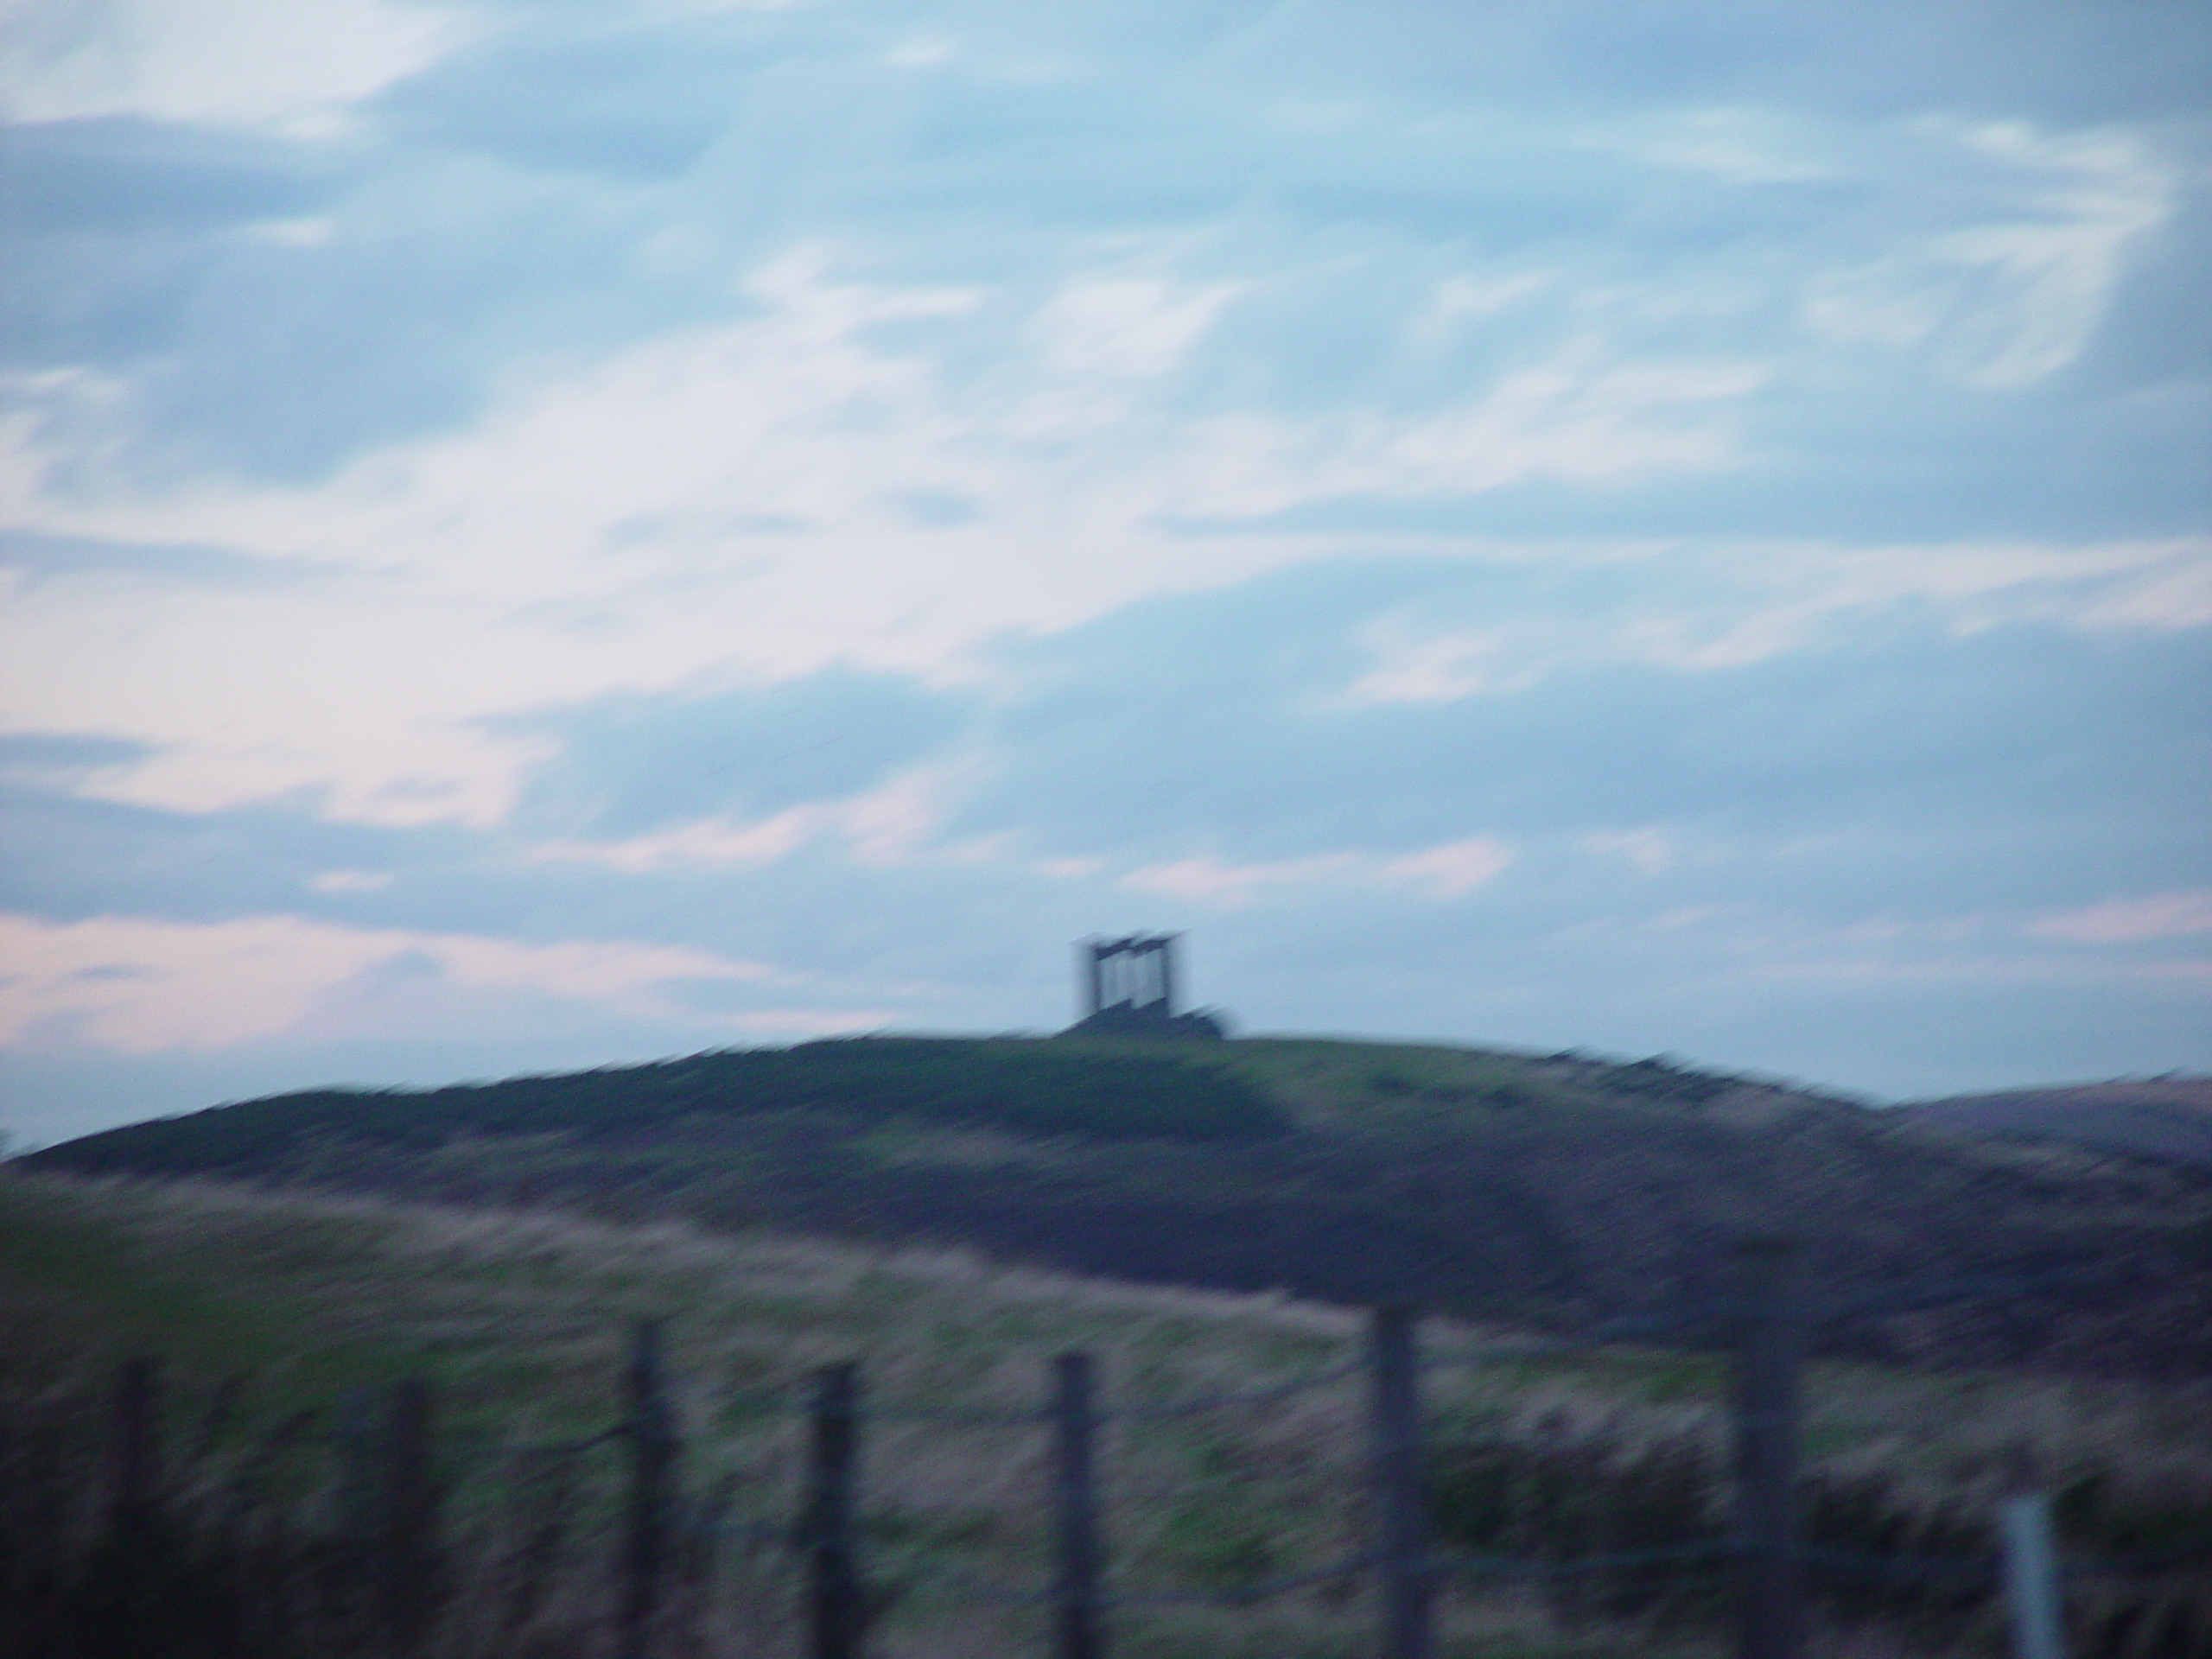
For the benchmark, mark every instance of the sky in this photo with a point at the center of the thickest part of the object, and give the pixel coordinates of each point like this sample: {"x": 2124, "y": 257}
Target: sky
{"x": 544, "y": 533}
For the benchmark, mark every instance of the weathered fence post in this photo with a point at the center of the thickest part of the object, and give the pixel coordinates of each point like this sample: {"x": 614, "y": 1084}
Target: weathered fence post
{"x": 357, "y": 1462}
{"x": 2031, "y": 1577}
{"x": 1077, "y": 1633}
{"x": 408, "y": 1566}
{"x": 1400, "y": 1481}
{"x": 649, "y": 1423}
{"x": 1767, "y": 1413}
{"x": 833, "y": 1454}
{"x": 135, "y": 1452}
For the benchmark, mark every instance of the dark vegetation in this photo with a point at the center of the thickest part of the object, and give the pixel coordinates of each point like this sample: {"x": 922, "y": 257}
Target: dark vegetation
{"x": 1546, "y": 1192}
{"x": 2168, "y": 1117}
{"x": 291, "y": 1321}
{"x": 261, "y": 1539}
{"x": 1591, "y": 1490}
{"x": 268, "y": 1531}
{"x": 1026, "y": 1088}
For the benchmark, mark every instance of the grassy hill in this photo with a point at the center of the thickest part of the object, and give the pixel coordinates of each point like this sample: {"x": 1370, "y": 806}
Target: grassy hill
{"x": 519, "y": 1317}
{"x": 2167, "y": 1118}
{"x": 1548, "y": 1190}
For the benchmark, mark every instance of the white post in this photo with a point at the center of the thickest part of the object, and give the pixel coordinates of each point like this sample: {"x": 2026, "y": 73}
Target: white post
{"x": 2032, "y": 1578}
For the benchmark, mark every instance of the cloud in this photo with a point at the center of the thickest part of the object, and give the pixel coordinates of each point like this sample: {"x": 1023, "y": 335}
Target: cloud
{"x": 53, "y": 757}
{"x": 1729, "y": 605}
{"x": 29, "y": 560}
{"x": 887, "y": 496}
{"x": 1651, "y": 850}
{"x": 633, "y": 95}
{"x": 2127, "y": 921}
{"x": 121, "y": 173}
{"x": 1220, "y": 724}
{"x": 139, "y": 986}
{"x": 1134, "y": 327}
{"x": 880, "y": 826}
{"x": 2006, "y": 304}
{"x": 1212, "y": 882}
{"x": 297, "y": 68}
{"x": 1449, "y": 871}
{"x": 628, "y": 763}
{"x": 603, "y": 535}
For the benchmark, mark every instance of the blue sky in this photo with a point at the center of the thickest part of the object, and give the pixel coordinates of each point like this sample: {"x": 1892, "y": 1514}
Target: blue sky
{"x": 544, "y": 534}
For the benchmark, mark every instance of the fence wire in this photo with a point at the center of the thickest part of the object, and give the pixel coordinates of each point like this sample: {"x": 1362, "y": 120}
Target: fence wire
{"x": 702, "y": 1524}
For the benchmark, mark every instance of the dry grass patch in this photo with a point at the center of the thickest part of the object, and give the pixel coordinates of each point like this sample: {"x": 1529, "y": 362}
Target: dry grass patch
{"x": 520, "y": 1317}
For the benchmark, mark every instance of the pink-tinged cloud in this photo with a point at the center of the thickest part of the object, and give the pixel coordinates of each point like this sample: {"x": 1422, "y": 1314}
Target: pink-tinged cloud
{"x": 1457, "y": 867}
{"x": 1210, "y": 881}
{"x": 1447, "y": 871}
{"x": 2125, "y": 921}
{"x": 139, "y": 985}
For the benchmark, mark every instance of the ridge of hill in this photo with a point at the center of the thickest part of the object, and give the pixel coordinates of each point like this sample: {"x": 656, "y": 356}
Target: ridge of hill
{"x": 1023, "y": 1088}
{"x": 1542, "y": 1190}
{"x": 2166, "y": 1117}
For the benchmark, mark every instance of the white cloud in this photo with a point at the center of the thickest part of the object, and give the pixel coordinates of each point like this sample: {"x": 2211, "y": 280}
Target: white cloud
{"x": 293, "y": 65}
{"x": 1586, "y": 415}
{"x": 1739, "y": 146}
{"x": 2009, "y": 302}
{"x": 1210, "y": 882}
{"x": 1414, "y": 662}
{"x": 921, "y": 52}
{"x": 1723, "y": 605}
{"x": 1734, "y": 941}
{"x": 887, "y": 825}
{"x": 1651, "y": 849}
{"x": 1449, "y": 871}
{"x": 1137, "y": 327}
{"x": 140, "y": 986}
{"x": 720, "y": 507}
{"x": 350, "y": 881}
{"x": 1461, "y": 300}
{"x": 2129, "y": 921}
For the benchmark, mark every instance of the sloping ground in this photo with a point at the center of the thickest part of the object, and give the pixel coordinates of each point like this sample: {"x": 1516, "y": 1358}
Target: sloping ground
{"x": 1102, "y": 1092}
{"x": 518, "y": 1317}
{"x": 1542, "y": 1190}
{"x": 2160, "y": 1117}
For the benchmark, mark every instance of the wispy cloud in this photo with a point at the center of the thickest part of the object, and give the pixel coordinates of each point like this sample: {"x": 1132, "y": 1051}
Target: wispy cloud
{"x": 138, "y": 986}
{"x": 1448, "y": 871}
{"x": 2128, "y": 921}
{"x": 880, "y": 495}
{"x": 295, "y": 69}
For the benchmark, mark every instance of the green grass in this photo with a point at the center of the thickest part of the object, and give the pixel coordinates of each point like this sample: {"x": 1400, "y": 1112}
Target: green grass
{"x": 1544, "y": 1190}
{"x": 520, "y": 1319}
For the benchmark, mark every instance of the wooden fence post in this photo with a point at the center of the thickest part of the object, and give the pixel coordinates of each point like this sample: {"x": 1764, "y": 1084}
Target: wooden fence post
{"x": 1767, "y": 1414}
{"x": 2031, "y": 1591}
{"x": 1077, "y": 1633}
{"x": 135, "y": 1452}
{"x": 408, "y": 1564}
{"x": 1400, "y": 1483}
{"x": 655, "y": 1448}
{"x": 357, "y": 1455}
{"x": 833, "y": 1455}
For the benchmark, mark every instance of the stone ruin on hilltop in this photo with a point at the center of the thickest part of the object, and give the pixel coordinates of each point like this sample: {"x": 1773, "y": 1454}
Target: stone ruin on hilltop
{"x": 1126, "y": 989}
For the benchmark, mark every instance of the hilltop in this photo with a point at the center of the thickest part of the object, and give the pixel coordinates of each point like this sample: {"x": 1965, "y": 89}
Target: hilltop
{"x": 1546, "y": 1190}
{"x": 2150, "y": 1117}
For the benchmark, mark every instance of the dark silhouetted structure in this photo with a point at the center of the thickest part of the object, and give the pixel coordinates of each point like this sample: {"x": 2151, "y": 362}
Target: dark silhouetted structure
{"x": 1127, "y": 988}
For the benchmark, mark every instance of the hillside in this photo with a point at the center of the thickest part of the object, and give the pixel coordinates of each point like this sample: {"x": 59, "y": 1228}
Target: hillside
{"x": 1547, "y": 1191}
{"x": 280, "y": 1303}
{"x": 2154, "y": 1117}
